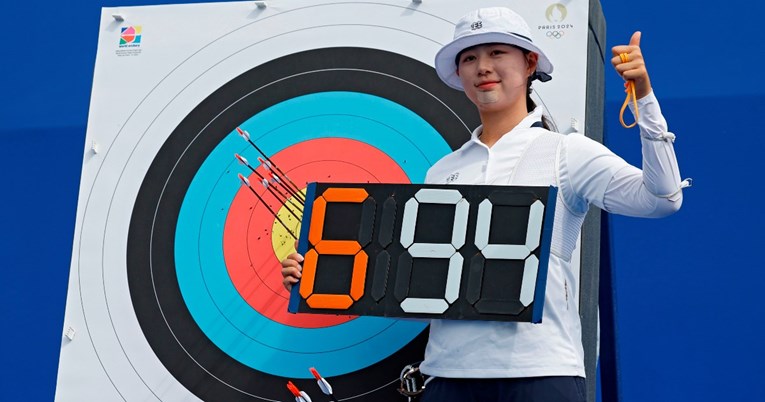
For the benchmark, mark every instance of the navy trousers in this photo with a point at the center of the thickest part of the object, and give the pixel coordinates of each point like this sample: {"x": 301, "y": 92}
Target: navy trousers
{"x": 531, "y": 389}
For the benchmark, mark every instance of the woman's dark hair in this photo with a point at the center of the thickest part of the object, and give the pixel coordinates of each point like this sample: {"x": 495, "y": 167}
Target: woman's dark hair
{"x": 530, "y": 104}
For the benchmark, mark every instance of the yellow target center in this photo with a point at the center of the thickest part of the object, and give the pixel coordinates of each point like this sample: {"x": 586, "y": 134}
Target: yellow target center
{"x": 290, "y": 213}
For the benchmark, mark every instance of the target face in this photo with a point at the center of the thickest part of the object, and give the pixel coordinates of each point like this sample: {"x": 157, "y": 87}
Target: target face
{"x": 214, "y": 274}
{"x": 175, "y": 291}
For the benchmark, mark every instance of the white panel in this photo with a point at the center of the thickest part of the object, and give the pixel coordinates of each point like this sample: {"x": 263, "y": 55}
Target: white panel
{"x": 431, "y": 250}
{"x": 529, "y": 284}
{"x": 453, "y": 278}
{"x": 460, "y": 223}
{"x": 483, "y": 224}
{"x": 429, "y": 306}
{"x": 438, "y": 196}
{"x": 534, "y": 228}
{"x": 505, "y": 251}
{"x": 408, "y": 223}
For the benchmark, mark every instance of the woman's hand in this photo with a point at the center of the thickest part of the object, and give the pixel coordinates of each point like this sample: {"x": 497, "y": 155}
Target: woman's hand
{"x": 634, "y": 68}
{"x": 291, "y": 270}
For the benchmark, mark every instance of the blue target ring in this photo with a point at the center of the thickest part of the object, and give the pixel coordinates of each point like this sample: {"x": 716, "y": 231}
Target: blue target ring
{"x": 221, "y": 313}
{"x": 199, "y": 327}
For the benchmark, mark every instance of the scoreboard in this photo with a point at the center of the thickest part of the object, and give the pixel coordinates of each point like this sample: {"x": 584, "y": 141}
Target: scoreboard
{"x": 432, "y": 251}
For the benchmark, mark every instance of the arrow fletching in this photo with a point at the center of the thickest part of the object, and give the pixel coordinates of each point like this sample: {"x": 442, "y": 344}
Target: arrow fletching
{"x": 300, "y": 396}
{"x": 323, "y": 384}
{"x": 242, "y": 160}
{"x": 266, "y": 164}
{"x": 243, "y": 133}
{"x": 244, "y": 180}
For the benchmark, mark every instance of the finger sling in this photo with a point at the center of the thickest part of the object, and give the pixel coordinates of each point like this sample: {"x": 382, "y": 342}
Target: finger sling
{"x": 629, "y": 88}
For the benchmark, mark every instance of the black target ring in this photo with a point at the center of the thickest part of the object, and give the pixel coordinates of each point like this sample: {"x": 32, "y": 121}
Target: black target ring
{"x": 162, "y": 314}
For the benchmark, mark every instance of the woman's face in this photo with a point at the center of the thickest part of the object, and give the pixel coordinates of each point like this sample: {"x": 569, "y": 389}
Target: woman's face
{"x": 494, "y": 76}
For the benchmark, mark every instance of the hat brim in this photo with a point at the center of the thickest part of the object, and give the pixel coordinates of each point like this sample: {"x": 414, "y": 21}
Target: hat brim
{"x": 447, "y": 69}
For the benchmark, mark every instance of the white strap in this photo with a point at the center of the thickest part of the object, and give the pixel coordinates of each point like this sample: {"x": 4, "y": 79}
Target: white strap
{"x": 674, "y": 196}
{"x": 662, "y": 137}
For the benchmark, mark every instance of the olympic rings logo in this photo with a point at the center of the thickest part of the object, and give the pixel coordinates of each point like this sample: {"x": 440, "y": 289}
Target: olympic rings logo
{"x": 555, "y": 34}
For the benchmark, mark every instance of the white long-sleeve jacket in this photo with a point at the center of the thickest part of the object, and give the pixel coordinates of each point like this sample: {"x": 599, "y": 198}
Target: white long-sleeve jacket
{"x": 586, "y": 173}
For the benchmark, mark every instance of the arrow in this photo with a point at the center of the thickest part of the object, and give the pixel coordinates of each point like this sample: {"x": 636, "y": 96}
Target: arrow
{"x": 323, "y": 384}
{"x": 279, "y": 196}
{"x": 246, "y": 182}
{"x": 270, "y": 164}
{"x": 300, "y": 396}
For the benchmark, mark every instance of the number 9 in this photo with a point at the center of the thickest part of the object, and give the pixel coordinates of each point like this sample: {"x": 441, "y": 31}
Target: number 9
{"x": 434, "y": 250}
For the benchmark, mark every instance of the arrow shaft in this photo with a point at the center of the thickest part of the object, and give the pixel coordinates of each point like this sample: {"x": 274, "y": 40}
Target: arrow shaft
{"x": 273, "y": 165}
{"x": 272, "y": 211}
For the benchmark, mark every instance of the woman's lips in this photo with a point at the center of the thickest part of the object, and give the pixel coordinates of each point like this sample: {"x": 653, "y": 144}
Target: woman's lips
{"x": 487, "y": 85}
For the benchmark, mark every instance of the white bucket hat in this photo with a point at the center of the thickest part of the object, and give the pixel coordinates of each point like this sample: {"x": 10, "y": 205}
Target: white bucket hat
{"x": 488, "y": 25}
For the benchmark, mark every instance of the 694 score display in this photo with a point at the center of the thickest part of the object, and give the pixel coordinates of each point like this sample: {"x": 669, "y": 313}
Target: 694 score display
{"x": 434, "y": 251}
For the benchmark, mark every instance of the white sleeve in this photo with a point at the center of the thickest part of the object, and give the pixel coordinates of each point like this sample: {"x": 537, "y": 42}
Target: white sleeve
{"x": 592, "y": 174}
{"x": 656, "y": 190}
{"x": 586, "y": 170}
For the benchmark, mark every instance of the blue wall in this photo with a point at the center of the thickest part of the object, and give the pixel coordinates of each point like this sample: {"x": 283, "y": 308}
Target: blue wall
{"x": 689, "y": 287}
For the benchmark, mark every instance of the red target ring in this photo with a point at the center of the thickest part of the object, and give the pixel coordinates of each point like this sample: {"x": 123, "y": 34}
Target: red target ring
{"x": 256, "y": 275}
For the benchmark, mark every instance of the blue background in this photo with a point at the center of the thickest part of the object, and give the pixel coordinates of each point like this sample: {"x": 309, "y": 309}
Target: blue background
{"x": 689, "y": 287}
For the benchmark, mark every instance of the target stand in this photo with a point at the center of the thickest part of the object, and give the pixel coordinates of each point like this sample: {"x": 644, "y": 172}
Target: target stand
{"x": 175, "y": 291}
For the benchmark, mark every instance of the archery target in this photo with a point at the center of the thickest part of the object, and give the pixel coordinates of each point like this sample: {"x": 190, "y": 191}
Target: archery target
{"x": 395, "y": 138}
{"x": 334, "y": 130}
{"x": 171, "y": 291}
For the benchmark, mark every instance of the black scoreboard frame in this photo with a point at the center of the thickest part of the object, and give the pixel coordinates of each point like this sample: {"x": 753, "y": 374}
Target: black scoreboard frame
{"x": 480, "y": 252}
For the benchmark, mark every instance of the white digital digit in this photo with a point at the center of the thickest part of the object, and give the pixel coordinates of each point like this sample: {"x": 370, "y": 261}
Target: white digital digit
{"x": 436, "y": 250}
{"x": 513, "y": 251}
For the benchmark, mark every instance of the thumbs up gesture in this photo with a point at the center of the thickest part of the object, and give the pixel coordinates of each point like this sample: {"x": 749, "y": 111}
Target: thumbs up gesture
{"x": 634, "y": 66}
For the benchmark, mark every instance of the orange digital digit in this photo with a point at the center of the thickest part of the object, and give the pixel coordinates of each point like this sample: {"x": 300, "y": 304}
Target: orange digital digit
{"x": 333, "y": 247}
